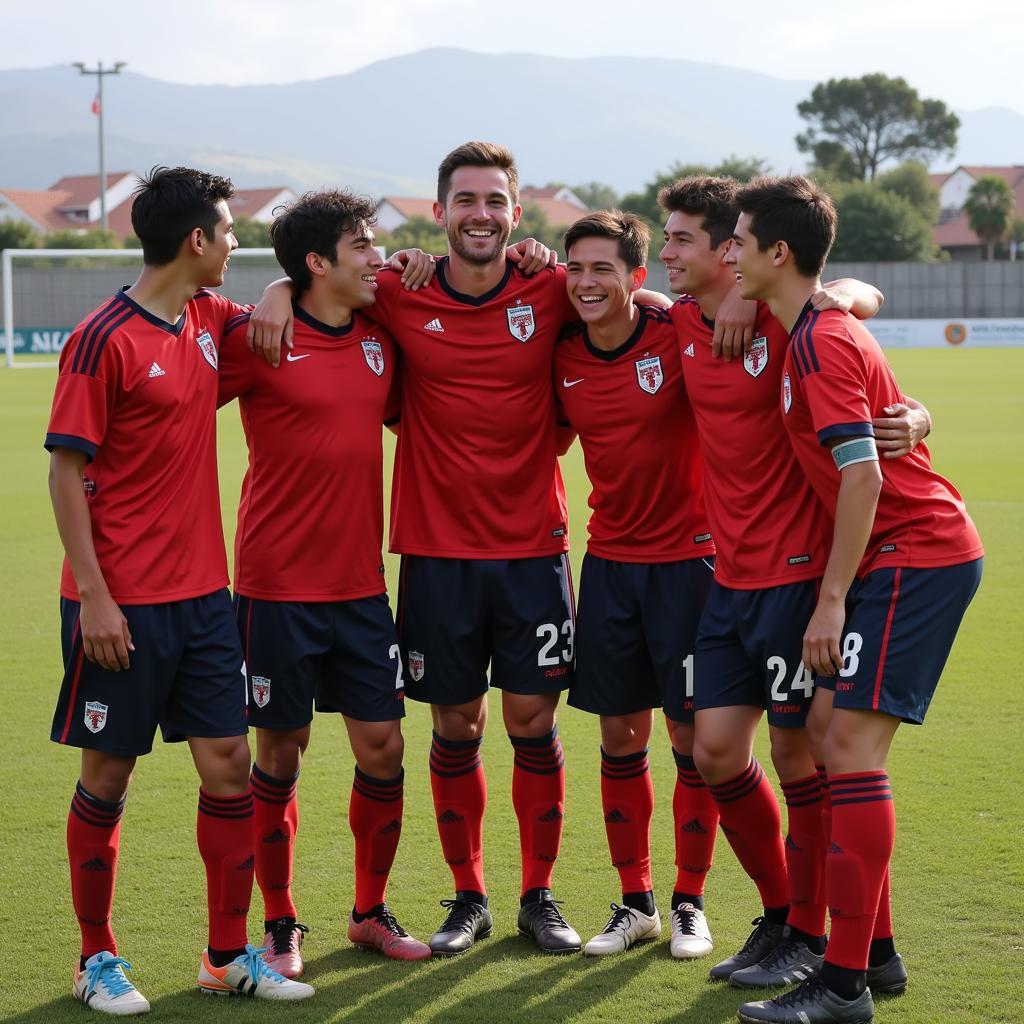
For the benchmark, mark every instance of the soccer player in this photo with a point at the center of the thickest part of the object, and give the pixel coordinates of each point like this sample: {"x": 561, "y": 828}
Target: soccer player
{"x": 646, "y": 573}
{"x": 748, "y": 657}
{"x": 147, "y": 631}
{"x": 311, "y": 605}
{"x": 904, "y": 564}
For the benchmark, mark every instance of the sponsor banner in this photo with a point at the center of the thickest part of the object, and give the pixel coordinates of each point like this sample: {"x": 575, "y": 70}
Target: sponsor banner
{"x": 988, "y": 333}
{"x": 41, "y": 340}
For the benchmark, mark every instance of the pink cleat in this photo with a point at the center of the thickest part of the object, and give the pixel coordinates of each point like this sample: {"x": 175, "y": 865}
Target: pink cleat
{"x": 380, "y": 930}
{"x": 283, "y": 945}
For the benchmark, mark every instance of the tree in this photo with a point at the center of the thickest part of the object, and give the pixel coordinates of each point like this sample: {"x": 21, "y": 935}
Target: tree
{"x": 878, "y": 225}
{"x": 72, "y": 238}
{"x": 535, "y": 224}
{"x": 251, "y": 234}
{"x": 989, "y": 209}
{"x": 16, "y": 234}
{"x": 415, "y": 233}
{"x": 911, "y": 181}
{"x": 873, "y": 118}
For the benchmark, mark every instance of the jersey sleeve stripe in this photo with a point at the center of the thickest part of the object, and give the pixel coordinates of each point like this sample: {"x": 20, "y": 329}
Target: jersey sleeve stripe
{"x": 89, "y": 331}
{"x": 846, "y": 430}
{"x": 235, "y": 321}
{"x": 70, "y": 441}
{"x": 94, "y": 359}
{"x": 803, "y": 367}
{"x": 809, "y": 339}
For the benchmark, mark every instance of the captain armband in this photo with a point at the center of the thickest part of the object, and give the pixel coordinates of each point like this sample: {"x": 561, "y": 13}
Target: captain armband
{"x": 859, "y": 449}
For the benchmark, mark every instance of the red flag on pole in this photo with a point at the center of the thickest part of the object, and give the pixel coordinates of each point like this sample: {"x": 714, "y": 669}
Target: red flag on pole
{"x": 96, "y": 104}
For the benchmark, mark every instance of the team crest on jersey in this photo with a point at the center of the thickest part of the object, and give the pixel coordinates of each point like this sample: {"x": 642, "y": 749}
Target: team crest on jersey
{"x": 95, "y": 715}
{"x": 261, "y": 691}
{"x": 787, "y": 393}
{"x": 374, "y": 355}
{"x": 207, "y": 347}
{"x": 521, "y": 323}
{"x": 416, "y": 666}
{"x": 649, "y": 374}
{"x": 756, "y": 359}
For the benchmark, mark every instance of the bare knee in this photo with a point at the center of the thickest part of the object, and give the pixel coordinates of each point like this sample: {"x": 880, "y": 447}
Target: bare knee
{"x": 279, "y": 751}
{"x": 222, "y": 764}
{"x": 460, "y": 721}
{"x": 791, "y": 754}
{"x": 105, "y": 776}
{"x": 532, "y": 715}
{"x": 625, "y": 734}
{"x": 680, "y": 735}
{"x": 379, "y": 749}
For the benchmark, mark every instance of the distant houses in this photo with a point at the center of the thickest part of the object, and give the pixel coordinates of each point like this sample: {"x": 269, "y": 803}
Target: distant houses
{"x": 953, "y": 232}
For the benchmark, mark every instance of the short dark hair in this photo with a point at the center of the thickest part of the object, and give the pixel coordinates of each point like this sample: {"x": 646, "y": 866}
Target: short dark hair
{"x": 629, "y": 230}
{"x": 713, "y": 199}
{"x": 793, "y": 210}
{"x": 314, "y": 223}
{"x": 478, "y": 154}
{"x": 169, "y": 204}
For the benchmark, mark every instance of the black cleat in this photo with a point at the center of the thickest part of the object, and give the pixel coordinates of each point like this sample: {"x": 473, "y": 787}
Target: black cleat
{"x": 466, "y": 922}
{"x": 888, "y": 979}
{"x": 760, "y": 942}
{"x": 789, "y": 963}
{"x": 809, "y": 1003}
{"x": 542, "y": 921}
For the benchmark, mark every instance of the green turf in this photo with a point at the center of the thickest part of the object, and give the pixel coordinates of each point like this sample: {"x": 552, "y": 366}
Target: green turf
{"x": 958, "y": 874}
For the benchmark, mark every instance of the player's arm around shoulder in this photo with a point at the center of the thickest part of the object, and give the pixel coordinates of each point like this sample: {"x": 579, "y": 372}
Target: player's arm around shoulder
{"x": 849, "y": 295}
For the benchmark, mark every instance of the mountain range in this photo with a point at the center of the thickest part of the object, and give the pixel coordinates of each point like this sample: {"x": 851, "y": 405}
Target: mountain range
{"x": 384, "y": 128}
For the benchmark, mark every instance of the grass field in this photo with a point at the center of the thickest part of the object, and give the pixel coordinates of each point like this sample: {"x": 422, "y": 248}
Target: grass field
{"x": 958, "y": 875}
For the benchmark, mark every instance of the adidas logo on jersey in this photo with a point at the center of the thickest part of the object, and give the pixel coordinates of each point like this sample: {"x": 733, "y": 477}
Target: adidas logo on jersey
{"x": 156, "y": 371}
{"x": 434, "y": 325}
{"x": 688, "y": 351}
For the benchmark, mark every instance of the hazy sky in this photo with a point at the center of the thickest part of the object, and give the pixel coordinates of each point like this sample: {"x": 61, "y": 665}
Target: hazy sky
{"x": 967, "y": 53}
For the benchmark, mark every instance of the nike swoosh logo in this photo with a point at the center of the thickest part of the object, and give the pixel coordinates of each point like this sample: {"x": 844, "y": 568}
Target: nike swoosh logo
{"x": 566, "y": 383}
{"x": 295, "y": 359}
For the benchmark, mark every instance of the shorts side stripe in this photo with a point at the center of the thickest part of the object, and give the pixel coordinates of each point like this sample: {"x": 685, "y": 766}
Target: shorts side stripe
{"x": 885, "y": 639}
{"x": 77, "y": 659}
{"x": 572, "y": 593}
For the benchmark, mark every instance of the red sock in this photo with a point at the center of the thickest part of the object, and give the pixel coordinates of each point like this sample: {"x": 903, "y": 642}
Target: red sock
{"x": 275, "y": 823}
{"x": 696, "y": 822}
{"x": 627, "y": 797}
{"x": 806, "y": 846}
{"x": 375, "y": 817}
{"x": 225, "y": 837}
{"x": 863, "y": 830}
{"x": 538, "y": 796}
{"x": 94, "y": 835}
{"x": 752, "y": 823}
{"x": 883, "y": 918}
{"x": 460, "y": 797}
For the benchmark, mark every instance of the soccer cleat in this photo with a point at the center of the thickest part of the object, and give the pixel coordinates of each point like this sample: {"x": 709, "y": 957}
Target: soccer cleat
{"x": 789, "y": 963}
{"x": 380, "y": 930}
{"x": 890, "y": 978}
{"x": 103, "y": 986}
{"x": 249, "y": 975}
{"x": 760, "y": 942}
{"x": 691, "y": 937}
{"x": 466, "y": 922}
{"x": 809, "y": 1003}
{"x": 542, "y": 921}
{"x": 283, "y": 944}
{"x": 626, "y": 927}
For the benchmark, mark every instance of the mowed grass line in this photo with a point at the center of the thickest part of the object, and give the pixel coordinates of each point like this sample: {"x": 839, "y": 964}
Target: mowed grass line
{"x": 958, "y": 892}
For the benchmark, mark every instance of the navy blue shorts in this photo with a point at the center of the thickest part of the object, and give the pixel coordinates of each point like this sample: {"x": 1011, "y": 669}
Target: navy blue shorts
{"x": 457, "y": 615}
{"x": 900, "y": 626}
{"x": 341, "y": 656}
{"x": 185, "y": 675}
{"x": 636, "y": 631}
{"x": 750, "y": 651}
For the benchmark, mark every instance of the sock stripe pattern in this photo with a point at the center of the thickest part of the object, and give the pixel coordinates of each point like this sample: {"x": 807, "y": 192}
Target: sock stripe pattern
{"x": 275, "y": 824}
{"x": 538, "y": 796}
{"x": 224, "y": 832}
{"x": 459, "y": 790}
{"x": 806, "y": 847}
{"x": 272, "y": 790}
{"x": 628, "y": 766}
{"x": 451, "y": 758}
{"x": 741, "y": 786}
{"x": 803, "y": 792}
{"x": 375, "y": 818}
{"x": 695, "y": 819}
{"x": 383, "y": 790}
{"x": 627, "y": 798}
{"x": 860, "y": 788}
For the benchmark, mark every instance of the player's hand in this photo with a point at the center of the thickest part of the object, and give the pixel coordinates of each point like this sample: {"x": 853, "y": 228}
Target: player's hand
{"x": 899, "y": 431}
{"x": 833, "y": 296}
{"x": 734, "y": 326}
{"x": 821, "y": 639}
{"x": 271, "y": 323}
{"x": 415, "y": 266}
{"x": 106, "y": 638}
{"x": 531, "y": 256}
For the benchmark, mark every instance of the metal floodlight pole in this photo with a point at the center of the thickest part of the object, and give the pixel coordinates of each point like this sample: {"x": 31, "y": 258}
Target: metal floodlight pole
{"x": 99, "y": 71}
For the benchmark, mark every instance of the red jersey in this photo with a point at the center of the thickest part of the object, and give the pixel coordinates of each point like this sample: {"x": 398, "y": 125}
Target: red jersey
{"x": 836, "y": 381}
{"x": 476, "y": 471}
{"x": 311, "y": 514}
{"x": 639, "y": 442}
{"x": 139, "y": 397}
{"x": 770, "y": 529}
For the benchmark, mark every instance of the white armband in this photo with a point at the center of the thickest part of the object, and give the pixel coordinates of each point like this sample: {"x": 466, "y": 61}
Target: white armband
{"x": 859, "y": 449}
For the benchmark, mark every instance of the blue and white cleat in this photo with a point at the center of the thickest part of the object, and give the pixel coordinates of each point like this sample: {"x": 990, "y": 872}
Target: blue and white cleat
{"x": 102, "y": 986}
{"x": 249, "y": 975}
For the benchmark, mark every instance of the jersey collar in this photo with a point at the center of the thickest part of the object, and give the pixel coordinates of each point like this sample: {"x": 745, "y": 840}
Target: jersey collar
{"x": 471, "y": 300}
{"x": 318, "y": 325}
{"x": 152, "y": 318}
{"x": 611, "y": 355}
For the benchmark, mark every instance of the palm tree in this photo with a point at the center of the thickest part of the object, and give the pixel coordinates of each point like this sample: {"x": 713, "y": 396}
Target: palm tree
{"x": 989, "y": 209}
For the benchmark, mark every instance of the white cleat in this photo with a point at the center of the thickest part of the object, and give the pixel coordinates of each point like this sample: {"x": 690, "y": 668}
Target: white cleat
{"x": 625, "y": 928}
{"x": 249, "y": 975}
{"x": 103, "y": 986}
{"x": 691, "y": 937}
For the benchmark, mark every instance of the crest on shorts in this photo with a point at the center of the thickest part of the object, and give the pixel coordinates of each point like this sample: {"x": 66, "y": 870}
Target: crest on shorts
{"x": 261, "y": 690}
{"x": 649, "y": 374}
{"x": 521, "y": 323}
{"x": 207, "y": 347}
{"x": 787, "y": 393}
{"x": 95, "y": 715}
{"x": 416, "y": 668}
{"x": 756, "y": 359}
{"x": 374, "y": 355}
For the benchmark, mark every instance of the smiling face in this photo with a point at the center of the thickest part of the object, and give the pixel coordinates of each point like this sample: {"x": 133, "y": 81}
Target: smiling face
{"x": 755, "y": 270}
{"x": 599, "y": 282}
{"x": 351, "y": 278}
{"x": 478, "y": 214}
{"x": 216, "y": 253}
{"x": 693, "y": 264}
